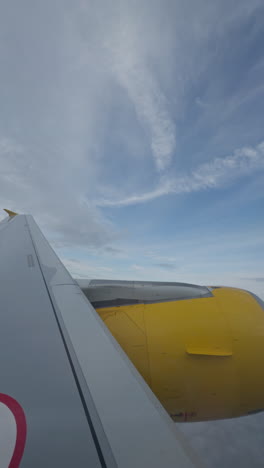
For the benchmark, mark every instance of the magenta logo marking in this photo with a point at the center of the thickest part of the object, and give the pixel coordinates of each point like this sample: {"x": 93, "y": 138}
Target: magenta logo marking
{"x": 13, "y": 430}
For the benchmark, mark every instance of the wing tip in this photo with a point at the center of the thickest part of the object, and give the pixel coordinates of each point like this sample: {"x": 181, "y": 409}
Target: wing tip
{"x": 10, "y": 213}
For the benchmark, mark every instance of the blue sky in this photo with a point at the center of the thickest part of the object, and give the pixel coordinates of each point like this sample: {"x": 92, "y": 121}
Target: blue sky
{"x": 133, "y": 132}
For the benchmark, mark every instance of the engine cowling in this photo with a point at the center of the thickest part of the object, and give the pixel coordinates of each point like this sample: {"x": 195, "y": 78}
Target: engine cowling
{"x": 202, "y": 355}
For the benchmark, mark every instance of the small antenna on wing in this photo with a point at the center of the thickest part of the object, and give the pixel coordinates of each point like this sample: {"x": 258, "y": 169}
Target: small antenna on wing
{"x": 10, "y": 213}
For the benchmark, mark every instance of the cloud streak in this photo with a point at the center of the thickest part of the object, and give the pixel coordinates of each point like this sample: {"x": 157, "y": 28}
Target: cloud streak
{"x": 41, "y": 189}
{"x": 150, "y": 106}
{"x": 211, "y": 175}
{"x": 130, "y": 69}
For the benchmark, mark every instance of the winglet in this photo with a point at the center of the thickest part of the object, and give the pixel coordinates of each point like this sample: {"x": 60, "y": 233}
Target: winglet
{"x": 10, "y": 213}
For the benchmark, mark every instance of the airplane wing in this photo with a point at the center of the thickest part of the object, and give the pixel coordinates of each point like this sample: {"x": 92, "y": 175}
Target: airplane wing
{"x": 69, "y": 396}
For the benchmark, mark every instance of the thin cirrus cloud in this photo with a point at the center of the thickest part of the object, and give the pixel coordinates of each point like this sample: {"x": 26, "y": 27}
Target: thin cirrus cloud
{"x": 128, "y": 59}
{"x": 149, "y": 103}
{"x": 214, "y": 174}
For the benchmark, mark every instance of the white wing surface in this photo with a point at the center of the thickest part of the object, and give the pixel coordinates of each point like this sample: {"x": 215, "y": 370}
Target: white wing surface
{"x": 76, "y": 398}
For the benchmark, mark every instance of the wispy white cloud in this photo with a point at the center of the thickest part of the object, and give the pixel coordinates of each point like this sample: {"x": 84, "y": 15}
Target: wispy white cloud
{"x": 33, "y": 182}
{"x": 214, "y": 174}
{"x": 85, "y": 269}
{"x": 149, "y": 103}
{"x": 129, "y": 64}
{"x": 9, "y": 147}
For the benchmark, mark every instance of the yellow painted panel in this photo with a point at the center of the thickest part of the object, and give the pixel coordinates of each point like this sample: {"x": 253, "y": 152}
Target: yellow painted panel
{"x": 246, "y": 322}
{"x": 130, "y": 334}
{"x": 188, "y": 383}
{"x": 136, "y": 314}
{"x": 203, "y": 358}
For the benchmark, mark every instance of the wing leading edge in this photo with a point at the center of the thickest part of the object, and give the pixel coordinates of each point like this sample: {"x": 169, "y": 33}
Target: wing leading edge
{"x": 84, "y": 402}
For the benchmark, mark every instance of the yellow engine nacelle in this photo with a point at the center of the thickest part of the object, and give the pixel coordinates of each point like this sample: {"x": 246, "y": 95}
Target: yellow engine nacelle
{"x": 203, "y": 358}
